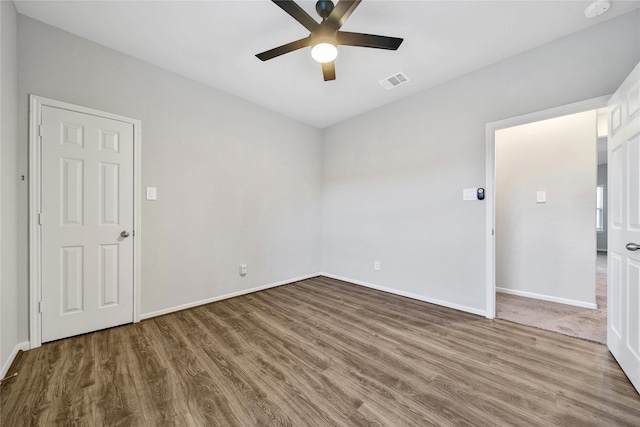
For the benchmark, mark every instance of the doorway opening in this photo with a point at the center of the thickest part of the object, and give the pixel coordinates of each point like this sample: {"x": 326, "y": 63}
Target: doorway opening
{"x": 545, "y": 187}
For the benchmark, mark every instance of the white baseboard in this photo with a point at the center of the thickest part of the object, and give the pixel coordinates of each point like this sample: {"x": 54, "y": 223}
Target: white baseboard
{"x": 567, "y": 301}
{"x": 222, "y": 297}
{"x": 408, "y": 295}
{"x": 24, "y": 346}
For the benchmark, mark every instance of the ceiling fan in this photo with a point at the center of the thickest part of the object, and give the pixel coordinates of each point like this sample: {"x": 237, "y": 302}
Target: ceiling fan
{"x": 326, "y": 35}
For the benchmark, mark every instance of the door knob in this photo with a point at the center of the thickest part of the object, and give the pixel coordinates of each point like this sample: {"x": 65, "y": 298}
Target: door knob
{"x": 633, "y": 246}
{"x": 124, "y": 234}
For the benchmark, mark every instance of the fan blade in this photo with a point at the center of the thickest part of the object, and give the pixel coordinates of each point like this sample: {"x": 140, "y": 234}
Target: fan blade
{"x": 297, "y": 13}
{"x": 368, "y": 40}
{"x": 341, "y": 13}
{"x": 285, "y": 48}
{"x": 329, "y": 71}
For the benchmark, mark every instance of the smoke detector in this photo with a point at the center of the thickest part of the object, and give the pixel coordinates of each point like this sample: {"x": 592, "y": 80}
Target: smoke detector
{"x": 597, "y": 8}
{"x": 394, "y": 80}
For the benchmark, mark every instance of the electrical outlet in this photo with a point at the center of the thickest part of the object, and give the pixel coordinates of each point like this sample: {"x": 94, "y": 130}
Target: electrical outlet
{"x": 243, "y": 269}
{"x": 376, "y": 265}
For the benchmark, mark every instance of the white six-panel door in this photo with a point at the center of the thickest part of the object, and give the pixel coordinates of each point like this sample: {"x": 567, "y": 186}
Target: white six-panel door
{"x": 623, "y": 294}
{"x": 86, "y": 222}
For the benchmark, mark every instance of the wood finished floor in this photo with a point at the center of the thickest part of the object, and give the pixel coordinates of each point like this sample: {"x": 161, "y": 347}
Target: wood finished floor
{"x": 319, "y": 353}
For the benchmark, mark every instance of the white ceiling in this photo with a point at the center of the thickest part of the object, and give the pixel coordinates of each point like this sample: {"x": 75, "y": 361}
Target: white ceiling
{"x": 214, "y": 42}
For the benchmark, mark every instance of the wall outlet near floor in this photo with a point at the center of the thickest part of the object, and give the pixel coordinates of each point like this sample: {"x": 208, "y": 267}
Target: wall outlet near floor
{"x": 376, "y": 265}
{"x": 243, "y": 269}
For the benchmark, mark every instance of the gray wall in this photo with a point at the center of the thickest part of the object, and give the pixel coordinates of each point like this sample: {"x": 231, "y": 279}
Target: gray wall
{"x": 602, "y": 235}
{"x": 236, "y": 183}
{"x": 547, "y": 250}
{"x": 9, "y": 307}
{"x": 393, "y": 177}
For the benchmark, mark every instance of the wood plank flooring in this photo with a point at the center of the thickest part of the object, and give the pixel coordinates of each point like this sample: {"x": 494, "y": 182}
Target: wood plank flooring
{"x": 319, "y": 353}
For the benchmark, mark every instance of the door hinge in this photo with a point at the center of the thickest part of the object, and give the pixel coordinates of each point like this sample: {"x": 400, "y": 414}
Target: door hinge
{"x": 40, "y": 219}
{"x": 39, "y": 130}
{"x": 40, "y": 306}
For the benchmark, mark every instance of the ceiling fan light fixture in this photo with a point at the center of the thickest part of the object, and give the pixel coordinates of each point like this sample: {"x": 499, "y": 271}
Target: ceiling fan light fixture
{"x": 324, "y": 52}
{"x": 325, "y": 37}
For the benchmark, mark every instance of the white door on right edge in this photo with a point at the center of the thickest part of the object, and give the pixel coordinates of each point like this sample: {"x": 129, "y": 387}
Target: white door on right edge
{"x": 623, "y": 269}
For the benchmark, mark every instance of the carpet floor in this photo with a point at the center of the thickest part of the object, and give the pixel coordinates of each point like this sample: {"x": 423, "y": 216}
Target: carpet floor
{"x": 569, "y": 320}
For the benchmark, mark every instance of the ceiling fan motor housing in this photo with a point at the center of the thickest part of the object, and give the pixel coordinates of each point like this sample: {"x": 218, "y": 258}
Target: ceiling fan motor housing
{"x": 324, "y": 8}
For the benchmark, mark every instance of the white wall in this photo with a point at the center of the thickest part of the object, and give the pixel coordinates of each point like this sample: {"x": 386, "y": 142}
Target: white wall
{"x": 393, "y": 177}
{"x": 236, "y": 183}
{"x": 9, "y": 184}
{"x": 547, "y": 250}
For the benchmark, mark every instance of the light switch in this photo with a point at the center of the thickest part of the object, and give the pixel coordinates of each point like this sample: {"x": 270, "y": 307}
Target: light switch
{"x": 151, "y": 193}
{"x": 541, "y": 197}
{"x": 470, "y": 194}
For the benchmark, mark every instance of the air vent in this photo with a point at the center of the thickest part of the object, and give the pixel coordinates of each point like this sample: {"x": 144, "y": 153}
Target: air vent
{"x": 394, "y": 80}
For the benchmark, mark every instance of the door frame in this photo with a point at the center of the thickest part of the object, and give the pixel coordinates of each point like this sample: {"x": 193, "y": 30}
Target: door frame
{"x": 35, "y": 196}
{"x": 490, "y": 208}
